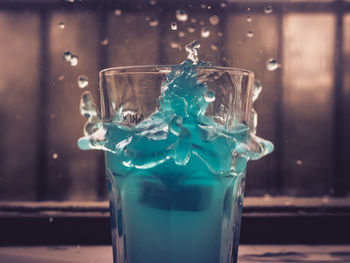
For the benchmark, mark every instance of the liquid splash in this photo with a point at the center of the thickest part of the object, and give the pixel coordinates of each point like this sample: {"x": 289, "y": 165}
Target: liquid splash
{"x": 179, "y": 130}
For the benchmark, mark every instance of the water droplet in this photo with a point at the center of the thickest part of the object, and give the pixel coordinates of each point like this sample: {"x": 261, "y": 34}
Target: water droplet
{"x": 191, "y": 29}
{"x": 299, "y": 162}
{"x": 173, "y": 26}
{"x": 181, "y": 15}
{"x": 67, "y": 56}
{"x": 152, "y": 2}
{"x": 205, "y": 32}
{"x": 250, "y": 33}
{"x": 268, "y": 10}
{"x": 193, "y": 20}
{"x": 74, "y": 61}
{"x": 50, "y": 219}
{"x": 209, "y": 96}
{"x": 256, "y": 89}
{"x": 272, "y": 64}
{"x": 223, "y": 4}
{"x": 61, "y": 25}
{"x": 118, "y": 12}
{"x": 82, "y": 81}
{"x": 181, "y": 34}
{"x": 105, "y": 42}
{"x": 214, "y": 20}
{"x": 214, "y": 47}
{"x": 192, "y": 51}
{"x": 153, "y": 22}
{"x": 54, "y": 156}
{"x": 248, "y": 19}
{"x": 174, "y": 44}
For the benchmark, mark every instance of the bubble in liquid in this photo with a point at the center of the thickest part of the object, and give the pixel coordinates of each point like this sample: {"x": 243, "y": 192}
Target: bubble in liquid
{"x": 181, "y": 15}
{"x": 191, "y": 29}
{"x": 181, "y": 34}
{"x": 223, "y": 4}
{"x": 118, "y": 12}
{"x": 173, "y": 26}
{"x": 272, "y": 64}
{"x": 82, "y": 81}
{"x": 174, "y": 44}
{"x": 205, "y": 32}
{"x": 214, "y": 20}
{"x": 250, "y": 33}
{"x": 209, "y": 96}
{"x": 268, "y": 10}
{"x": 74, "y": 61}
{"x": 105, "y": 42}
{"x": 153, "y": 22}
{"x": 214, "y": 47}
{"x": 61, "y": 25}
{"x": 54, "y": 156}
{"x": 67, "y": 56}
{"x": 152, "y": 2}
{"x": 248, "y": 19}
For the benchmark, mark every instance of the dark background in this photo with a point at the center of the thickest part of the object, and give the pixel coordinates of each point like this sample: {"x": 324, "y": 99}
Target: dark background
{"x": 303, "y": 109}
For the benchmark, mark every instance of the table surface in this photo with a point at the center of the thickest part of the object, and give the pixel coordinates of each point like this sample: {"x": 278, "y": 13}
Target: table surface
{"x": 247, "y": 254}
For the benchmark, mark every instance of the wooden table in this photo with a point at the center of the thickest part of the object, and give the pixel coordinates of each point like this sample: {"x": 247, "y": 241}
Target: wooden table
{"x": 247, "y": 254}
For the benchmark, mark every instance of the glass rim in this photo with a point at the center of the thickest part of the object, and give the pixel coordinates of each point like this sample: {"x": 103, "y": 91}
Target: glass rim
{"x": 167, "y": 68}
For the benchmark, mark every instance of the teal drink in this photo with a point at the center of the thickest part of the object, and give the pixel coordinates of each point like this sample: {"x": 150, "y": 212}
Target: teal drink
{"x": 176, "y": 173}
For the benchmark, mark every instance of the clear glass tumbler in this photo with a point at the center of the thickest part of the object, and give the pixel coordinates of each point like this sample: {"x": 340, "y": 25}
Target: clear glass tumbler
{"x": 176, "y": 163}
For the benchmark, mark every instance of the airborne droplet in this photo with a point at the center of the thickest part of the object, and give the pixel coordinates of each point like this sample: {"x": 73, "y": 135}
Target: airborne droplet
{"x": 268, "y": 10}
{"x": 191, "y": 29}
{"x": 54, "y": 156}
{"x": 272, "y": 64}
{"x": 214, "y": 20}
{"x": 250, "y": 33}
{"x": 104, "y": 42}
{"x": 214, "y": 47}
{"x": 205, "y": 32}
{"x": 174, "y": 44}
{"x": 173, "y": 26}
{"x": 248, "y": 19}
{"x": 117, "y": 12}
{"x": 74, "y": 61}
{"x": 209, "y": 96}
{"x": 153, "y": 22}
{"x": 61, "y": 25}
{"x": 181, "y": 15}
{"x": 82, "y": 81}
{"x": 67, "y": 56}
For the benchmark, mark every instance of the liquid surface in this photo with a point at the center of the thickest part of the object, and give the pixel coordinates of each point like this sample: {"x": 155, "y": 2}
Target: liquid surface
{"x": 176, "y": 179}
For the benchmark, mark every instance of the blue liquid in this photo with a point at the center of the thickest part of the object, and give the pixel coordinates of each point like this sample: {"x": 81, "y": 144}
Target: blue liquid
{"x": 176, "y": 180}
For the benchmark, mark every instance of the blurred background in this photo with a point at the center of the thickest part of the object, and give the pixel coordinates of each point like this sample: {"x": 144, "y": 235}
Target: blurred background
{"x": 299, "y": 51}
